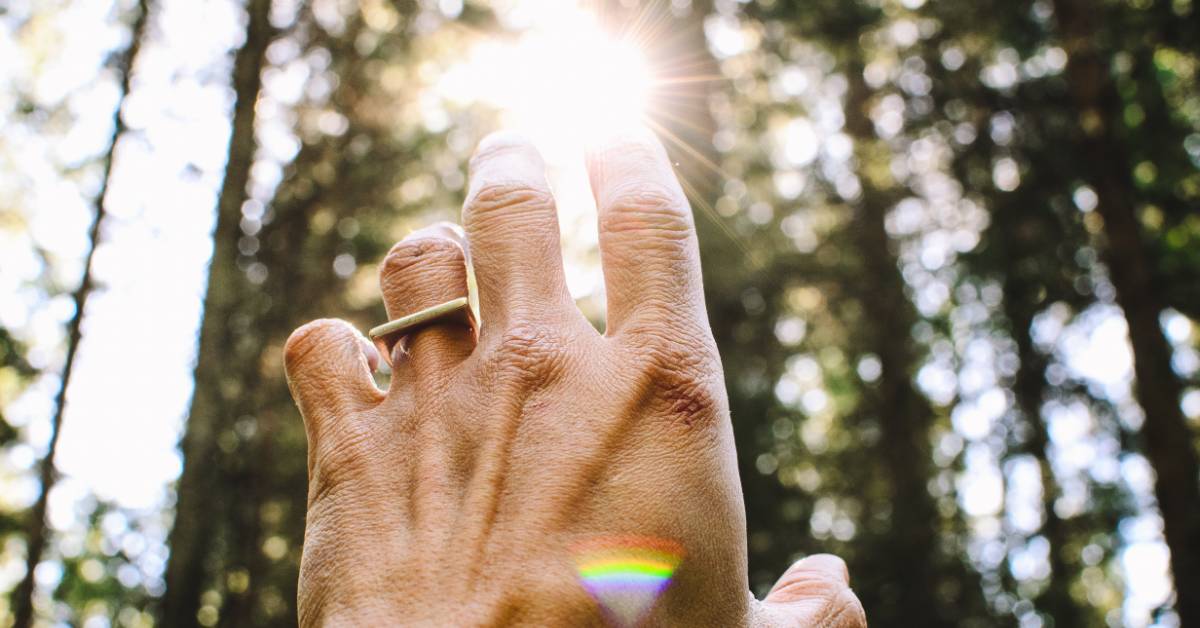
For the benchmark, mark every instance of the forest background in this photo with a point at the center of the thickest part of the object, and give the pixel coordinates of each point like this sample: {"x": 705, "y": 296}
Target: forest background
{"x": 952, "y": 259}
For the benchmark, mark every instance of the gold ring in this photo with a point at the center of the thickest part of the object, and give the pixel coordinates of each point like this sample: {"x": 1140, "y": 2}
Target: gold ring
{"x": 379, "y": 335}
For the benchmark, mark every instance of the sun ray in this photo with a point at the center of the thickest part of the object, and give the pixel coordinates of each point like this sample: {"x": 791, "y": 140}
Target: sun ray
{"x": 688, "y": 80}
{"x": 692, "y": 152}
{"x": 673, "y": 117}
{"x": 645, "y": 23}
{"x": 753, "y": 257}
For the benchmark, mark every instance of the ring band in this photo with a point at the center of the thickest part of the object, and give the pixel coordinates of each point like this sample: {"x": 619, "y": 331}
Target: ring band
{"x": 380, "y": 334}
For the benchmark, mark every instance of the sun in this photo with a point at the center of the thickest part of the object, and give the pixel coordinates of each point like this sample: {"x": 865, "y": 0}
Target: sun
{"x": 563, "y": 80}
{"x": 572, "y": 75}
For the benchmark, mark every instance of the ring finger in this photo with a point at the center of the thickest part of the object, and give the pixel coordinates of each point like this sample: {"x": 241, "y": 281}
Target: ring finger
{"x": 425, "y": 270}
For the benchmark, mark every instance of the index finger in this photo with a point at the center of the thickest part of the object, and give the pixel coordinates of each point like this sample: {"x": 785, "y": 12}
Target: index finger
{"x": 648, "y": 246}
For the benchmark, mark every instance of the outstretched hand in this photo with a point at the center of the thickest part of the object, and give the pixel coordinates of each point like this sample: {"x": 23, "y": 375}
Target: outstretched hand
{"x": 529, "y": 470}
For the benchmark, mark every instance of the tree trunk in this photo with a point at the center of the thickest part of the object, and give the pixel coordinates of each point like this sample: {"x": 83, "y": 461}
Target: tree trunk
{"x": 37, "y": 536}
{"x": 1158, "y": 135}
{"x": 192, "y": 537}
{"x": 1168, "y": 440}
{"x": 1029, "y": 388}
{"x": 904, "y": 414}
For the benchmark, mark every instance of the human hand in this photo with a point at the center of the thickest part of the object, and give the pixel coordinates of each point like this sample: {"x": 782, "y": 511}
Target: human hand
{"x": 504, "y": 457}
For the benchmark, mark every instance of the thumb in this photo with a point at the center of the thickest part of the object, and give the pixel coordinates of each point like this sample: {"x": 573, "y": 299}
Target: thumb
{"x": 814, "y": 591}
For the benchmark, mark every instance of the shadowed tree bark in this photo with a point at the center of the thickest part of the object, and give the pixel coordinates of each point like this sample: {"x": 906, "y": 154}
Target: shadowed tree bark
{"x": 37, "y": 535}
{"x": 192, "y": 537}
{"x": 1023, "y": 253}
{"x": 904, "y": 415}
{"x": 1029, "y": 387}
{"x": 1158, "y": 141}
{"x": 1168, "y": 441}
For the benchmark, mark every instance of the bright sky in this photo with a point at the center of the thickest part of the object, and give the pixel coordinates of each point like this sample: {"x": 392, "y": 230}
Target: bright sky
{"x": 133, "y": 379}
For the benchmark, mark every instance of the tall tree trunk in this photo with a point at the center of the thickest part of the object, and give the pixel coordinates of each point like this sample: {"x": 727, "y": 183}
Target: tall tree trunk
{"x": 1158, "y": 135}
{"x": 288, "y": 298}
{"x": 904, "y": 414}
{"x": 38, "y": 534}
{"x": 1029, "y": 387}
{"x": 1169, "y": 443}
{"x": 192, "y": 537}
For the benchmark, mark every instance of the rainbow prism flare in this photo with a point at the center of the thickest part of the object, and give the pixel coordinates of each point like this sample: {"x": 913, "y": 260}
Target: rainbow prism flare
{"x": 626, "y": 574}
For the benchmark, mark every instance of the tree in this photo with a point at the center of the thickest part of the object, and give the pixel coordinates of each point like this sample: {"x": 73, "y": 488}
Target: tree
{"x": 192, "y": 537}
{"x": 1169, "y": 443}
{"x": 37, "y": 533}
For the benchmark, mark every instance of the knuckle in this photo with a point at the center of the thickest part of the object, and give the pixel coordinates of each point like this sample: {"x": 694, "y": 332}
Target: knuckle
{"x": 420, "y": 252}
{"x": 684, "y": 376}
{"x": 647, "y": 209}
{"x": 530, "y": 353}
{"x": 507, "y": 198}
{"x": 311, "y": 338}
{"x": 687, "y": 399}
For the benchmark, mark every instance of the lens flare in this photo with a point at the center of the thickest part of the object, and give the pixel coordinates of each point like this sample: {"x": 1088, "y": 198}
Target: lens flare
{"x": 626, "y": 574}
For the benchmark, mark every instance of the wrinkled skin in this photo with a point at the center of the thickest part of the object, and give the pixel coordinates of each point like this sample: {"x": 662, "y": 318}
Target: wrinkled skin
{"x": 455, "y": 497}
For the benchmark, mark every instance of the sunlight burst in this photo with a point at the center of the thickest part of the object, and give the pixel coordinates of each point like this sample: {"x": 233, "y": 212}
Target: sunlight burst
{"x": 562, "y": 81}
